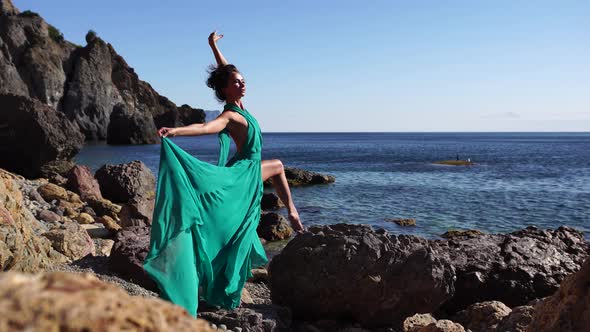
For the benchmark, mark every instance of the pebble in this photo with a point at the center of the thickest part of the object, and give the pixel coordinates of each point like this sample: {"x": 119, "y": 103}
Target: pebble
{"x": 222, "y": 327}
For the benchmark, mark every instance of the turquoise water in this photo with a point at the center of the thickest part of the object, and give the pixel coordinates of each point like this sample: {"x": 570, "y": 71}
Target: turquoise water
{"x": 520, "y": 179}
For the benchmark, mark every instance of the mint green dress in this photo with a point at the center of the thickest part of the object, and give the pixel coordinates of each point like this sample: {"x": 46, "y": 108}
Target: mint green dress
{"x": 203, "y": 239}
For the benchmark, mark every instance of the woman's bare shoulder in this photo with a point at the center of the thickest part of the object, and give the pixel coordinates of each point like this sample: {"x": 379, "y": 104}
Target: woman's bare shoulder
{"x": 233, "y": 117}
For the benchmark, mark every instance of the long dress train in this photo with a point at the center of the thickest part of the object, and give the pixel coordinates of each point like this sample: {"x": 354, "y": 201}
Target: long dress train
{"x": 203, "y": 238}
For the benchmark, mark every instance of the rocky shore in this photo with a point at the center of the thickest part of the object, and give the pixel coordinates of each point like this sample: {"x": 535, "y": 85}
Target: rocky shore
{"x": 87, "y": 231}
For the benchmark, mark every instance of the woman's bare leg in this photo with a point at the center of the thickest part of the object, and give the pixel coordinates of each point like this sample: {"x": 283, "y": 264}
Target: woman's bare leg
{"x": 274, "y": 169}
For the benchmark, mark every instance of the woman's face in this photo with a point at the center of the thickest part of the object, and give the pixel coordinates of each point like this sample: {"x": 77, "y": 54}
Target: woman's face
{"x": 236, "y": 87}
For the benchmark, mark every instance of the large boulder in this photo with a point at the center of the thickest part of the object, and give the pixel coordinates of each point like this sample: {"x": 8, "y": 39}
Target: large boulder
{"x": 21, "y": 248}
{"x": 131, "y": 247}
{"x": 122, "y": 182}
{"x": 351, "y": 271}
{"x": 59, "y": 301}
{"x": 512, "y": 268}
{"x": 568, "y": 309}
{"x": 34, "y": 134}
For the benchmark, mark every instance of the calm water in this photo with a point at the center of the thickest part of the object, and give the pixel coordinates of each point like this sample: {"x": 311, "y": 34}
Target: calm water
{"x": 520, "y": 179}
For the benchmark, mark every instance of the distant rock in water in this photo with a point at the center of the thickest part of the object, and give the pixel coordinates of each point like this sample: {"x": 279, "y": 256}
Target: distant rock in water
{"x": 455, "y": 162}
{"x": 188, "y": 115}
{"x": 88, "y": 84}
{"x": 299, "y": 177}
{"x": 403, "y": 222}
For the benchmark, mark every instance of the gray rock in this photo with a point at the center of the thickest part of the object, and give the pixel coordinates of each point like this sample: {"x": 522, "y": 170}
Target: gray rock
{"x": 352, "y": 271}
{"x": 49, "y": 216}
{"x": 91, "y": 94}
{"x": 512, "y": 268}
{"x": 89, "y": 210}
{"x": 34, "y": 195}
{"x": 251, "y": 317}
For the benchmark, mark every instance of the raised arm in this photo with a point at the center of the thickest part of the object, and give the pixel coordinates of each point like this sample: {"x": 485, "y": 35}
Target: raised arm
{"x": 196, "y": 129}
{"x": 213, "y": 38}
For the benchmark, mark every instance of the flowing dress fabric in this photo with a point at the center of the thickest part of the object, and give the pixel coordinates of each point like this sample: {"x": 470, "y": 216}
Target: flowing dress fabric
{"x": 203, "y": 238}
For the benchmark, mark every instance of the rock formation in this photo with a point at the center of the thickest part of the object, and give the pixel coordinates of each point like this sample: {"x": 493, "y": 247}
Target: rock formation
{"x": 100, "y": 95}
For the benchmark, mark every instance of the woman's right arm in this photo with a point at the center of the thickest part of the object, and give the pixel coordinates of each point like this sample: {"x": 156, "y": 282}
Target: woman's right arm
{"x": 213, "y": 38}
{"x": 197, "y": 129}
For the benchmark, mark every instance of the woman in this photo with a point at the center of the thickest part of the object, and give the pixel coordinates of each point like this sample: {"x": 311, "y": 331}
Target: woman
{"x": 203, "y": 239}
{"x": 230, "y": 86}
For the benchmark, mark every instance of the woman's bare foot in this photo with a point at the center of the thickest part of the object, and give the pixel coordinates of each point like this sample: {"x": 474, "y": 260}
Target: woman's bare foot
{"x": 295, "y": 221}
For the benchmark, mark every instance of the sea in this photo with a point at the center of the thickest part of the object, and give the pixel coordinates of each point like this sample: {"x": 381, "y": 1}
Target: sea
{"x": 518, "y": 179}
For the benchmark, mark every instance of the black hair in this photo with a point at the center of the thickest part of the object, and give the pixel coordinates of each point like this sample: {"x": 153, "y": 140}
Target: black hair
{"x": 219, "y": 77}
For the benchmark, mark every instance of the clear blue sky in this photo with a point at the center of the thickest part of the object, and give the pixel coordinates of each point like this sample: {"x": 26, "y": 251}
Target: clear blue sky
{"x": 359, "y": 65}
